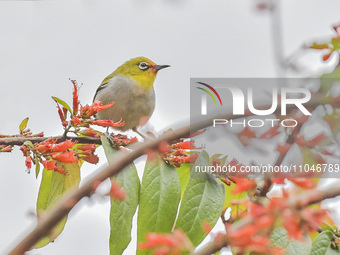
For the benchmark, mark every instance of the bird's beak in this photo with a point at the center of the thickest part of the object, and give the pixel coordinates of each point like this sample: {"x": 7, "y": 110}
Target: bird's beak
{"x": 159, "y": 67}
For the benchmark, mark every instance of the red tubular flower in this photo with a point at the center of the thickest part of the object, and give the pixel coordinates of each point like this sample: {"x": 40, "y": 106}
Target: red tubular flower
{"x": 283, "y": 148}
{"x": 181, "y": 159}
{"x": 244, "y": 186}
{"x": 6, "y": 148}
{"x": 60, "y": 170}
{"x": 98, "y": 106}
{"x": 116, "y": 191}
{"x": 23, "y": 148}
{"x": 175, "y": 243}
{"x": 28, "y": 162}
{"x": 93, "y": 159}
{"x": 76, "y": 121}
{"x": 88, "y": 111}
{"x": 108, "y": 123}
{"x": 49, "y": 164}
{"x": 75, "y": 97}
{"x": 90, "y": 132}
{"x": 123, "y": 140}
{"x": 52, "y": 165}
{"x": 43, "y": 148}
{"x": 316, "y": 141}
{"x": 66, "y": 157}
{"x": 184, "y": 145}
{"x": 61, "y": 115}
{"x": 85, "y": 147}
{"x": 327, "y": 56}
{"x": 336, "y": 27}
{"x": 63, "y": 146}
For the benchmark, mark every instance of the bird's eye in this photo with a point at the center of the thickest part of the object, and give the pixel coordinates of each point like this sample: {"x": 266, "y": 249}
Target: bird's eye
{"x": 143, "y": 66}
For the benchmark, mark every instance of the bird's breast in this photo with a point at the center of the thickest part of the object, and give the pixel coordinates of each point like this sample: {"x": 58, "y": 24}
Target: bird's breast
{"x": 133, "y": 104}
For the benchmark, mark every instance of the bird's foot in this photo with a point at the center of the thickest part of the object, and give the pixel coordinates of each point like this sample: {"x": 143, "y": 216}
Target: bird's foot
{"x": 139, "y": 133}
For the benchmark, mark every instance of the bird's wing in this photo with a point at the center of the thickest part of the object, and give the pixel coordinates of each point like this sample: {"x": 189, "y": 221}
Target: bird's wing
{"x": 101, "y": 87}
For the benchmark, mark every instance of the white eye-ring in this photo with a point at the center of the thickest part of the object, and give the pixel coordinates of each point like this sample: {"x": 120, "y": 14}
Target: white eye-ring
{"x": 143, "y": 66}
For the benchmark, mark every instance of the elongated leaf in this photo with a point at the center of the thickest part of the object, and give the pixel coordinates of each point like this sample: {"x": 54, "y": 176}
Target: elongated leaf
{"x": 184, "y": 175}
{"x": 280, "y": 239}
{"x": 159, "y": 198}
{"x": 53, "y": 186}
{"x": 322, "y": 244}
{"x": 122, "y": 211}
{"x": 37, "y": 168}
{"x": 63, "y": 103}
{"x": 202, "y": 202}
{"x": 23, "y": 125}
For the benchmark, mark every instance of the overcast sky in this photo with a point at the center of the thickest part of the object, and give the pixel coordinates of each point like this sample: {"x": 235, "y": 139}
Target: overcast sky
{"x": 44, "y": 43}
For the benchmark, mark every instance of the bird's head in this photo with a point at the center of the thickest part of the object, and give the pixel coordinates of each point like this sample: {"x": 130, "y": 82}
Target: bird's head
{"x": 140, "y": 69}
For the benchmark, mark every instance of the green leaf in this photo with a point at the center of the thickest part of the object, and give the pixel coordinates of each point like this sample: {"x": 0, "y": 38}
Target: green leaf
{"x": 159, "y": 198}
{"x": 122, "y": 211}
{"x": 322, "y": 244}
{"x": 184, "y": 175}
{"x": 280, "y": 239}
{"x": 37, "y": 167}
{"x": 63, "y": 103}
{"x": 53, "y": 186}
{"x": 23, "y": 125}
{"x": 202, "y": 202}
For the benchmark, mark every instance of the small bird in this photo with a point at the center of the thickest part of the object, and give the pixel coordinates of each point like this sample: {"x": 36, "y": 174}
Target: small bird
{"x": 130, "y": 86}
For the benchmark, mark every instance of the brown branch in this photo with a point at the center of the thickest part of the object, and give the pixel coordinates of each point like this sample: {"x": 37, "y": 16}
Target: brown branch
{"x": 19, "y": 140}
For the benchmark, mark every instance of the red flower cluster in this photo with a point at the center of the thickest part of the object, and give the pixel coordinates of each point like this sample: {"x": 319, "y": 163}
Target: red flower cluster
{"x": 121, "y": 140}
{"x": 81, "y": 116}
{"x": 178, "y": 152}
{"x": 6, "y": 148}
{"x": 262, "y": 218}
{"x": 175, "y": 243}
{"x": 49, "y": 153}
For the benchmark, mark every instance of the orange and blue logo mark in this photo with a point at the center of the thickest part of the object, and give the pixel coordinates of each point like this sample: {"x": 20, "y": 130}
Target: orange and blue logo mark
{"x": 209, "y": 93}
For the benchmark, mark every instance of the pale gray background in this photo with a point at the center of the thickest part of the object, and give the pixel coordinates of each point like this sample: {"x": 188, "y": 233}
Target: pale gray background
{"x": 44, "y": 43}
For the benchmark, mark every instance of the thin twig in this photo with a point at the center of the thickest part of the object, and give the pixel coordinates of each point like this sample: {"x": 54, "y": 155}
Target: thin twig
{"x": 19, "y": 140}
